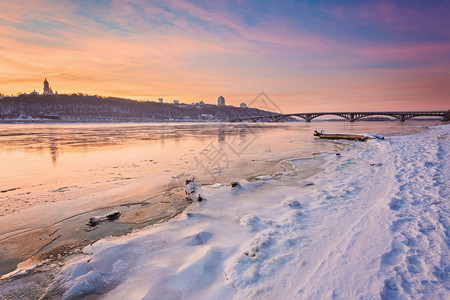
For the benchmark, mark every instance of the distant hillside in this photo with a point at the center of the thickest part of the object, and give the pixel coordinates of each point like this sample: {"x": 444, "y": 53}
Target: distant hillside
{"x": 82, "y": 108}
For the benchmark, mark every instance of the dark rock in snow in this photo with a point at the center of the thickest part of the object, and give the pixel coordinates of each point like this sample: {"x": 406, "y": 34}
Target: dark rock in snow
{"x": 191, "y": 190}
{"x": 94, "y": 221}
{"x": 376, "y": 164}
{"x": 235, "y": 184}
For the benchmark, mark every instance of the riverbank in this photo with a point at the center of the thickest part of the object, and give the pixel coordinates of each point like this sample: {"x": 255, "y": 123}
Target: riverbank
{"x": 373, "y": 224}
{"x": 361, "y": 228}
{"x": 36, "y": 273}
{"x": 45, "y": 205}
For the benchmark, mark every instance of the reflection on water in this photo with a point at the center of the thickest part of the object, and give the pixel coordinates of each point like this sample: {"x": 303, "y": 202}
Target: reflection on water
{"x": 221, "y": 133}
{"x": 243, "y": 133}
{"x": 65, "y": 154}
{"x": 59, "y": 155}
{"x": 97, "y": 135}
{"x": 52, "y": 172}
{"x": 53, "y": 151}
{"x": 92, "y": 137}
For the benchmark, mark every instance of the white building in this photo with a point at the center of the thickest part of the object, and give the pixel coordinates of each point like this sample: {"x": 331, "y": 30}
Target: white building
{"x": 160, "y": 100}
{"x": 221, "y": 101}
{"x": 1, "y": 96}
{"x": 176, "y": 102}
{"x": 243, "y": 105}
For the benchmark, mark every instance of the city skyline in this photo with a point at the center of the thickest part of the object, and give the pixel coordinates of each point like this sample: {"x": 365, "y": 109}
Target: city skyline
{"x": 48, "y": 91}
{"x": 307, "y": 56}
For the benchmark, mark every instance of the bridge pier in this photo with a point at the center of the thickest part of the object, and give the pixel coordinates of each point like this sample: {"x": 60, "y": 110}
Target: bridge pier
{"x": 352, "y": 118}
{"x": 308, "y": 118}
{"x": 446, "y": 117}
{"x": 402, "y": 118}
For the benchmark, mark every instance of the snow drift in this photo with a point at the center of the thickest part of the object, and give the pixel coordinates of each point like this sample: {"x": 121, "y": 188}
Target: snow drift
{"x": 374, "y": 223}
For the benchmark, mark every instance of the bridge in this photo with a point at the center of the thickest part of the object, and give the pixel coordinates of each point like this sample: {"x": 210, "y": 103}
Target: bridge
{"x": 350, "y": 116}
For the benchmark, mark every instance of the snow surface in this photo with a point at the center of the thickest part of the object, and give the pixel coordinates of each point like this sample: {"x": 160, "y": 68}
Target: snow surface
{"x": 375, "y": 223}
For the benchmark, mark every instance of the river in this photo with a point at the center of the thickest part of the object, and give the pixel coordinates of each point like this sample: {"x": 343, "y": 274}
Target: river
{"x": 53, "y": 177}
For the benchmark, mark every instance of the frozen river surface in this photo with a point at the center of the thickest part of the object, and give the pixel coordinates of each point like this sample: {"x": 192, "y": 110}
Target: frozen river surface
{"x": 306, "y": 224}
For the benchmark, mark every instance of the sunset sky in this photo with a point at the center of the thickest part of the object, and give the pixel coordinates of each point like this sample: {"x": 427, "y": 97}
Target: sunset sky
{"x": 306, "y": 55}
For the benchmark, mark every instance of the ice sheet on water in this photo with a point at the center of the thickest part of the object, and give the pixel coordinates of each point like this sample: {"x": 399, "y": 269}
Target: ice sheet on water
{"x": 360, "y": 232}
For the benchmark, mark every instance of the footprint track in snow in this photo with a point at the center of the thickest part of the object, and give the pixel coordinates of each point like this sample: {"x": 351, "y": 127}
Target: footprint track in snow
{"x": 417, "y": 262}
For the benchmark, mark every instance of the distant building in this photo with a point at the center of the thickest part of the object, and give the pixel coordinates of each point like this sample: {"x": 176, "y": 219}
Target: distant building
{"x": 34, "y": 93}
{"x": 160, "y": 100}
{"x": 176, "y": 102}
{"x": 47, "y": 88}
{"x": 243, "y": 105}
{"x": 1, "y": 96}
{"x": 221, "y": 101}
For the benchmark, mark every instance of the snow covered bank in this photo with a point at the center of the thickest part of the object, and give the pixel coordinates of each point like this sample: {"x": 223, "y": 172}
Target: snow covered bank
{"x": 375, "y": 223}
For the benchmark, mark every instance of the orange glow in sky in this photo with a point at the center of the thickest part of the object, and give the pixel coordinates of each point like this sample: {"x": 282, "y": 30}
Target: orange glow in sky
{"x": 306, "y": 56}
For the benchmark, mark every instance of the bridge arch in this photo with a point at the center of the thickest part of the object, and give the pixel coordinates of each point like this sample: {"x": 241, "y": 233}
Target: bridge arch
{"x": 406, "y": 117}
{"x": 310, "y": 117}
{"x": 398, "y": 117}
{"x": 283, "y": 117}
{"x": 263, "y": 119}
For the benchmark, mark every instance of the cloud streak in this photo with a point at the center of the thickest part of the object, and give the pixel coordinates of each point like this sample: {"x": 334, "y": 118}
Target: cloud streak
{"x": 307, "y": 57}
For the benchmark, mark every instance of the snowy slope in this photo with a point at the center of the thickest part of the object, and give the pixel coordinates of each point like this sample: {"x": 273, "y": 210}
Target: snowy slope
{"x": 375, "y": 223}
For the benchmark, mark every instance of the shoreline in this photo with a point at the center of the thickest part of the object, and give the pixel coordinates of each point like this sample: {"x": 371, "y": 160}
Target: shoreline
{"x": 181, "y": 121}
{"x": 346, "y": 234}
{"x": 50, "y": 268}
{"x": 53, "y": 242}
{"x": 44, "y": 267}
{"x": 49, "y": 234}
{"x": 50, "y": 243}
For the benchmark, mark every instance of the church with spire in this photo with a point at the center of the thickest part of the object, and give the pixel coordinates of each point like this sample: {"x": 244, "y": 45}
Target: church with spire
{"x": 47, "y": 88}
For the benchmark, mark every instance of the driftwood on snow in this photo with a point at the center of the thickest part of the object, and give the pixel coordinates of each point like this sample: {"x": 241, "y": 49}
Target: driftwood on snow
{"x": 346, "y": 136}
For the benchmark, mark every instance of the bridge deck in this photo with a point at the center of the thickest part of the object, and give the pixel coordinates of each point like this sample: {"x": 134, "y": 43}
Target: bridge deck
{"x": 351, "y": 116}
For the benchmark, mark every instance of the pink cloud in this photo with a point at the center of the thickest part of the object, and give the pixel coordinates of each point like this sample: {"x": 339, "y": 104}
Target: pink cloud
{"x": 181, "y": 60}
